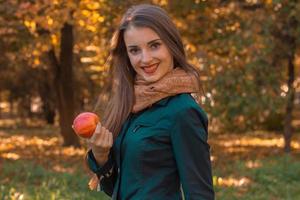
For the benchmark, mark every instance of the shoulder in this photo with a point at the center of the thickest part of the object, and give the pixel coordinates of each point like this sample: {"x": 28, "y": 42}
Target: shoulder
{"x": 183, "y": 105}
{"x": 187, "y": 117}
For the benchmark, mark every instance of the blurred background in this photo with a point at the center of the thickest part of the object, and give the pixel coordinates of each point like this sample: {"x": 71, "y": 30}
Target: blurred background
{"x": 53, "y": 66}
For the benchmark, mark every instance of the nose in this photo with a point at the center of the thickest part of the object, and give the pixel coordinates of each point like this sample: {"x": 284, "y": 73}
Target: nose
{"x": 146, "y": 57}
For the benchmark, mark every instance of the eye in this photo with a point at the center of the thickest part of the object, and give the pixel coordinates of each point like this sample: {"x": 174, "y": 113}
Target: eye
{"x": 155, "y": 45}
{"x": 133, "y": 51}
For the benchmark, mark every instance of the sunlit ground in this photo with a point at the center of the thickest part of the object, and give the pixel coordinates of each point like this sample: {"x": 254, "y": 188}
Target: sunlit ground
{"x": 34, "y": 165}
{"x": 42, "y": 146}
{"x": 240, "y": 161}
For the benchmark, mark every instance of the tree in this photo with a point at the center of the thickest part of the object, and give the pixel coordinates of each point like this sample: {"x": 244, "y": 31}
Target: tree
{"x": 229, "y": 41}
{"x": 239, "y": 46}
{"x": 50, "y": 22}
{"x": 286, "y": 33}
{"x": 63, "y": 82}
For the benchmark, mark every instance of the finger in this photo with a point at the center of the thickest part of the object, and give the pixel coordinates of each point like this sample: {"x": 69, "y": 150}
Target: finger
{"x": 111, "y": 140}
{"x": 98, "y": 128}
{"x": 88, "y": 143}
{"x": 100, "y": 137}
{"x": 96, "y": 132}
{"x": 107, "y": 145}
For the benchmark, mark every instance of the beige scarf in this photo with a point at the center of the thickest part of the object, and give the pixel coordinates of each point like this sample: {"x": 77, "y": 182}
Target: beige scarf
{"x": 174, "y": 82}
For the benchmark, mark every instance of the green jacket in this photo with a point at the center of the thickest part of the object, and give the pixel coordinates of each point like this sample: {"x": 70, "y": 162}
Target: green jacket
{"x": 159, "y": 150}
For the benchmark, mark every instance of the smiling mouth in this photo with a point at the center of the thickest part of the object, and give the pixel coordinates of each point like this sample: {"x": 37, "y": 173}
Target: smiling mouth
{"x": 150, "y": 69}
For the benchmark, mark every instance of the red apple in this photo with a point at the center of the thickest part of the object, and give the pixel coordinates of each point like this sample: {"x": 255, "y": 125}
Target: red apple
{"x": 85, "y": 124}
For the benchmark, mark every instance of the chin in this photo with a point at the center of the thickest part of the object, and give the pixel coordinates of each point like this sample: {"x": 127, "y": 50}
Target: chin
{"x": 151, "y": 79}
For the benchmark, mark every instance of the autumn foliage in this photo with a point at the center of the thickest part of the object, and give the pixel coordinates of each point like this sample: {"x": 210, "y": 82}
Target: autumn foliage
{"x": 245, "y": 50}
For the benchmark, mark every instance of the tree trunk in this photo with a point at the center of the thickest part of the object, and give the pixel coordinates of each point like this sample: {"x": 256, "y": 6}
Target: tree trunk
{"x": 11, "y": 106}
{"x": 46, "y": 92}
{"x": 285, "y": 32}
{"x": 63, "y": 82}
{"x": 288, "y": 129}
{"x": 48, "y": 107}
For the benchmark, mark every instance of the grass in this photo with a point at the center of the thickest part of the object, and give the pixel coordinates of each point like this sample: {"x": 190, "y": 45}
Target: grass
{"x": 276, "y": 177}
{"x": 253, "y": 166}
{"x": 27, "y": 180}
{"x": 34, "y": 166}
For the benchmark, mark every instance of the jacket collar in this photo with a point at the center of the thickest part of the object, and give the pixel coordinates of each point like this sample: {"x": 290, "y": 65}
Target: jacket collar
{"x": 163, "y": 102}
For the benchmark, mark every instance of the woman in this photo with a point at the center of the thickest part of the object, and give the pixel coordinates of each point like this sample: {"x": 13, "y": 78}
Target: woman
{"x": 153, "y": 138}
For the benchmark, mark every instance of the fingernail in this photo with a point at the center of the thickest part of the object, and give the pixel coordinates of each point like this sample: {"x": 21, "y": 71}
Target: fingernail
{"x": 98, "y": 127}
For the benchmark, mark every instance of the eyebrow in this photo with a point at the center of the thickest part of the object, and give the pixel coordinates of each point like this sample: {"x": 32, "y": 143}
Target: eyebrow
{"x": 152, "y": 41}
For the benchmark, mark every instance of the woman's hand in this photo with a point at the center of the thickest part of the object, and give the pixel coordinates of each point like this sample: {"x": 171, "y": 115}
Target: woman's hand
{"x": 101, "y": 143}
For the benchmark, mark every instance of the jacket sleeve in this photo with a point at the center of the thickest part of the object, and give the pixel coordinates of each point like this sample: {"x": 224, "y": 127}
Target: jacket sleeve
{"x": 192, "y": 153}
{"x": 106, "y": 173}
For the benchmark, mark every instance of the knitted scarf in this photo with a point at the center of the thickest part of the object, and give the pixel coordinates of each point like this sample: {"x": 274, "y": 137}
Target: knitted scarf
{"x": 174, "y": 82}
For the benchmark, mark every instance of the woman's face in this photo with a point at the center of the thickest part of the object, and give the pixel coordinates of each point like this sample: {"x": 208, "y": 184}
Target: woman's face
{"x": 148, "y": 54}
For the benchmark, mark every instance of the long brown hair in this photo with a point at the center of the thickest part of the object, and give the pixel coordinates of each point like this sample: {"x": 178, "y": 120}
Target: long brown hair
{"x": 122, "y": 99}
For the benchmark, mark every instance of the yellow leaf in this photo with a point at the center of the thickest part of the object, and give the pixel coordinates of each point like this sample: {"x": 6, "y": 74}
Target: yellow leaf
{"x": 49, "y": 20}
{"x": 81, "y": 23}
{"x": 36, "y": 62}
{"x": 54, "y": 39}
{"x": 269, "y": 2}
{"x": 92, "y": 28}
{"x": 93, "y": 5}
{"x": 85, "y": 13}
